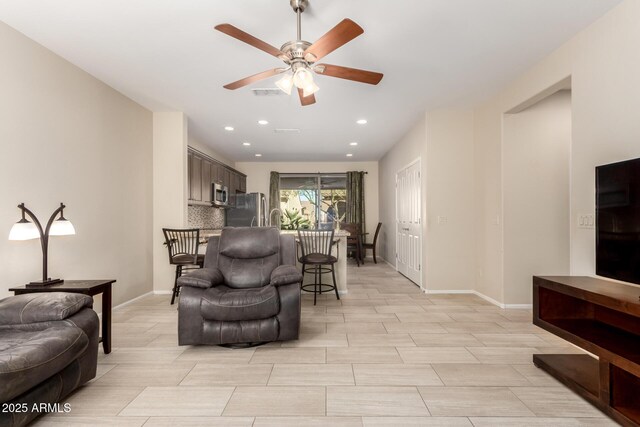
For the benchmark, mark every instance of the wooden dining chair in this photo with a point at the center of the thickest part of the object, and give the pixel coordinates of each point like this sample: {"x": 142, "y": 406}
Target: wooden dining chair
{"x": 372, "y": 246}
{"x": 354, "y": 240}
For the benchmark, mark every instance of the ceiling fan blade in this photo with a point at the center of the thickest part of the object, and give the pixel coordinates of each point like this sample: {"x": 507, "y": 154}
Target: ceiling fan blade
{"x": 251, "y": 79}
{"x": 362, "y": 76}
{"x": 237, "y": 33}
{"x": 306, "y": 100}
{"x": 339, "y": 35}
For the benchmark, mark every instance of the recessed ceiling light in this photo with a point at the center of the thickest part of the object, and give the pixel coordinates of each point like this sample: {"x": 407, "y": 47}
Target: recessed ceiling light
{"x": 228, "y": 128}
{"x": 246, "y": 144}
{"x": 353, "y": 143}
{"x": 349, "y": 155}
{"x": 258, "y": 155}
{"x": 263, "y": 122}
{"x": 361, "y": 122}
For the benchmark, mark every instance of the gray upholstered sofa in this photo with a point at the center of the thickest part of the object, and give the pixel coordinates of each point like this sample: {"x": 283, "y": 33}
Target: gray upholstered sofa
{"x": 48, "y": 348}
{"x": 247, "y": 292}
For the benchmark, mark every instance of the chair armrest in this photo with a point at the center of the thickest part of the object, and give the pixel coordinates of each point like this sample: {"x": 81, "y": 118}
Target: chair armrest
{"x": 285, "y": 275}
{"x": 41, "y": 307}
{"x": 203, "y": 278}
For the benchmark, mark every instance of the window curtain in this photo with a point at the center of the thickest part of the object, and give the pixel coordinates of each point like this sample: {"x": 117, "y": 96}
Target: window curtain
{"x": 355, "y": 199}
{"x": 274, "y": 191}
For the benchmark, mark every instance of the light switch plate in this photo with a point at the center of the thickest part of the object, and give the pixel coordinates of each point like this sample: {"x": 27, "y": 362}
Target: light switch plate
{"x": 587, "y": 221}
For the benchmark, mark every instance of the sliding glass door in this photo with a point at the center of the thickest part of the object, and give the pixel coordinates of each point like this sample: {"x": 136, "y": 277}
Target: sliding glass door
{"x": 312, "y": 200}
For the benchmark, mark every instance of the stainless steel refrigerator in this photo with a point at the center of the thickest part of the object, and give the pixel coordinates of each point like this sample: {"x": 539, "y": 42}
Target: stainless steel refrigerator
{"x": 250, "y": 210}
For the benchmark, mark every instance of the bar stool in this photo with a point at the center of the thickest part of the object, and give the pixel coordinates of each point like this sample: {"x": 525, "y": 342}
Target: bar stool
{"x": 183, "y": 252}
{"x": 316, "y": 252}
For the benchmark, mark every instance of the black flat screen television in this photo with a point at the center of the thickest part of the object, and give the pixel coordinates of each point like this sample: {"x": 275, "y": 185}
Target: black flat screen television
{"x": 618, "y": 221}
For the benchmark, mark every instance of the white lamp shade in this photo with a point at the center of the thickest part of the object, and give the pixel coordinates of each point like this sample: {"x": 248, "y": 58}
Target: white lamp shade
{"x": 24, "y": 230}
{"x": 285, "y": 84}
{"x": 302, "y": 78}
{"x": 310, "y": 89}
{"x": 62, "y": 227}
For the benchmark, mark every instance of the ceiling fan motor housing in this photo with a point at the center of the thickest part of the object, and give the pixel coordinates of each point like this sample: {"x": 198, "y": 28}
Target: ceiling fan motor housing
{"x": 299, "y": 5}
{"x": 295, "y": 49}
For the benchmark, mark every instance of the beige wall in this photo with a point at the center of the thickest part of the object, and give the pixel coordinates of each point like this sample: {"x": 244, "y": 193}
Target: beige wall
{"x": 170, "y": 191}
{"x": 258, "y": 179}
{"x": 67, "y": 137}
{"x": 450, "y": 243}
{"x": 443, "y": 140}
{"x": 536, "y": 150}
{"x": 411, "y": 147}
{"x": 604, "y": 64}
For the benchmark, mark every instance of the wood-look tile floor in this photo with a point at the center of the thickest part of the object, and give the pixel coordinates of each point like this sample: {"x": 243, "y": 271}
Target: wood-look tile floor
{"x": 384, "y": 355}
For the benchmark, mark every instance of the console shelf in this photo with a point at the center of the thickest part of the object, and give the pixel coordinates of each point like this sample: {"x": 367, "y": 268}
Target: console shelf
{"x": 602, "y": 317}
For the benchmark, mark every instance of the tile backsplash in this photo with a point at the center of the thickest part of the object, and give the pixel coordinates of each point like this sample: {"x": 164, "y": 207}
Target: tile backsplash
{"x": 205, "y": 217}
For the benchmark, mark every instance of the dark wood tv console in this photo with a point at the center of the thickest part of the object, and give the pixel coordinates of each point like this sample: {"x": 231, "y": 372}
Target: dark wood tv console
{"x": 602, "y": 317}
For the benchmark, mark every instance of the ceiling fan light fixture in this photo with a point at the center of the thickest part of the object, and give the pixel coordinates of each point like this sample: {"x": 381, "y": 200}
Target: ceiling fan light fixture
{"x": 302, "y": 78}
{"x": 310, "y": 89}
{"x": 285, "y": 84}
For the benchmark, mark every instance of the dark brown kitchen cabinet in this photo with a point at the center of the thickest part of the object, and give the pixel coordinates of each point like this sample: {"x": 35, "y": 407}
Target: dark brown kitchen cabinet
{"x": 206, "y": 181}
{"x": 238, "y": 183}
{"x": 189, "y": 169}
{"x": 235, "y": 183}
{"x": 195, "y": 179}
{"x": 203, "y": 171}
{"x": 215, "y": 173}
{"x": 226, "y": 177}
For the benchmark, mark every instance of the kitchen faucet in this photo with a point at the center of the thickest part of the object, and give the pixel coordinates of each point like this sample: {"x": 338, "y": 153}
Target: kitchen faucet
{"x": 279, "y": 221}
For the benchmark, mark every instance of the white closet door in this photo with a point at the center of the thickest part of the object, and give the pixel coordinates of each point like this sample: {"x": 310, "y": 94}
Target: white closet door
{"x": 408, "y": 222}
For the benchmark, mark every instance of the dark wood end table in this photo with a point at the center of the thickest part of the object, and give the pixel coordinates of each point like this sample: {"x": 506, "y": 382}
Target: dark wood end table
{"x": 86, "y": 287}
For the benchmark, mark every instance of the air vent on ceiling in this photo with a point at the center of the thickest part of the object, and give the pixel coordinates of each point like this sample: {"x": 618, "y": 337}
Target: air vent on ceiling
{"x": 280, "y": 130}
{"x": 267, "y": 91}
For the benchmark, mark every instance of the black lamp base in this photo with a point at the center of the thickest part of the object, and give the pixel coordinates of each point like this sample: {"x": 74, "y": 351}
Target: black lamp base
{"x": 42, "y": 283}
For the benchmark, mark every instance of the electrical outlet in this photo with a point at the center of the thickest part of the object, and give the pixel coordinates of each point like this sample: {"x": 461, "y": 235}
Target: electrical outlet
{"x": 442, "y": 219}
{"x": 587, "y": 221}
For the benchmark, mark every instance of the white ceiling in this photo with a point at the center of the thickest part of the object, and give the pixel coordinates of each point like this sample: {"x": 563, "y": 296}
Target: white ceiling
{"x": 165, "y": 55}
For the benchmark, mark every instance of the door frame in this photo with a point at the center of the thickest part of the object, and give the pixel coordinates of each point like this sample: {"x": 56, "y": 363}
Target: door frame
{"x": 423, "y": 263}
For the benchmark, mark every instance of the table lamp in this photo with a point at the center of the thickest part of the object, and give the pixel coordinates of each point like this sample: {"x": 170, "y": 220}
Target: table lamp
{"x": 27, "y": 230}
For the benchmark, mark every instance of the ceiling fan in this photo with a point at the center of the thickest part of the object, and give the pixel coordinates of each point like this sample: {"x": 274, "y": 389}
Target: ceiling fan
{"x": 300, "y": 57}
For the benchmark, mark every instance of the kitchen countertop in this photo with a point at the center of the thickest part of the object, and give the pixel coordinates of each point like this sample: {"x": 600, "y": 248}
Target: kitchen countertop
{"x": 208, "y": 232}
{"x": 339, "y": 250}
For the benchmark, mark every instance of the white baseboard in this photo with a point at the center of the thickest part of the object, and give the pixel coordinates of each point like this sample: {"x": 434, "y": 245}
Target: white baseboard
{"x": 501, "y": 305}
{"x": 126, "y": 303}
{"x": 481, "y": 295}
{"x": 387, "y": 262}
{"x": 519, "y": 306}
{"x": 447, "y": 291}
{"x": 162, "y": 292}
{"x": 343, "y": 291}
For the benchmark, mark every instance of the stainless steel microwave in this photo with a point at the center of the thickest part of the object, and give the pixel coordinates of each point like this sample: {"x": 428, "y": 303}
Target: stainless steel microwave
{"x": 219, "y": 195}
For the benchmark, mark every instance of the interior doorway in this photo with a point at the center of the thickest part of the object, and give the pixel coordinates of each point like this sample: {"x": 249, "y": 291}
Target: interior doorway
{"x": 408, "y": 222}
{"x": 536, "y": 194}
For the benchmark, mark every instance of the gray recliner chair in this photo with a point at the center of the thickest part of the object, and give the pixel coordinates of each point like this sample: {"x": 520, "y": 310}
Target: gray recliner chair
{"x": 247, "y": 292}
{"x": 48, "y": 348}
